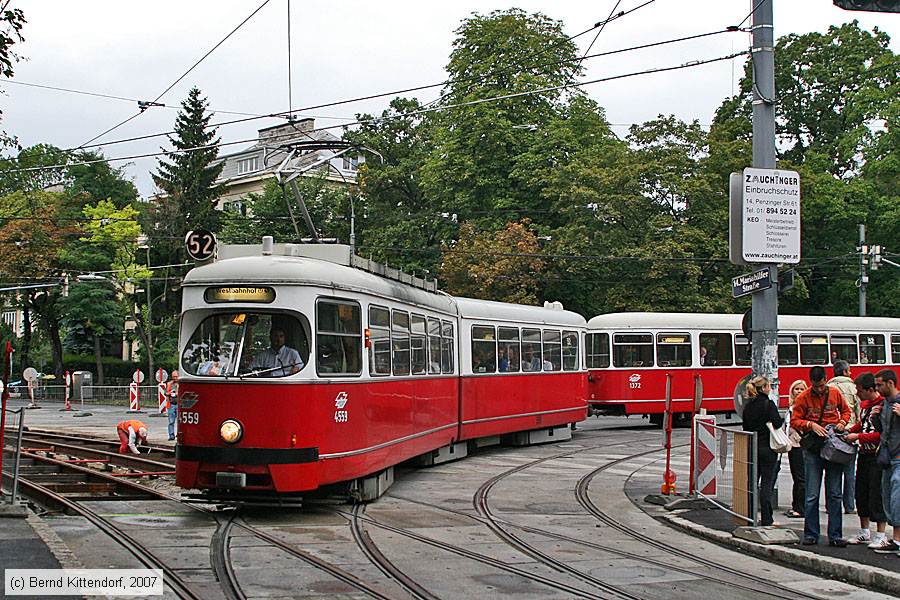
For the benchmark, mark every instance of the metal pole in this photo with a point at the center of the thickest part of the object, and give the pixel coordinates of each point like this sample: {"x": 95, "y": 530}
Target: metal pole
{"x": 15, "y": 488}
{"x": 863, "y": 277}
{"x": 765, "y": 303}
{"x": 149, "y": 318}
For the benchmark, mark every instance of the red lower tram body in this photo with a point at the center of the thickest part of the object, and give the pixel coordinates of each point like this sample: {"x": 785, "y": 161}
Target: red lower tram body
{"x": 298, "y": 437}
{"x": 643, "y": 392}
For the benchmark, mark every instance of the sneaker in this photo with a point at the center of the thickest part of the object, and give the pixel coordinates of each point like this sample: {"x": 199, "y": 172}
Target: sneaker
{"x": 863, "y": 537}
{"x": 876, "y": 543}
{"x": 887, "y": 546}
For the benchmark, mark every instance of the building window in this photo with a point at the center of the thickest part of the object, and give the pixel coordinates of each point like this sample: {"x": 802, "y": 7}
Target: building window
{"x": 248, "y": 165}
{"x": 350, "y": 163}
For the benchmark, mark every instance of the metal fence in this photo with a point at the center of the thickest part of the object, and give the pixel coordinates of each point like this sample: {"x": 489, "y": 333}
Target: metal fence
{"x": 109, "y": 395}
{"x": 725, "y": 469}
{"x": 12, "y": 439}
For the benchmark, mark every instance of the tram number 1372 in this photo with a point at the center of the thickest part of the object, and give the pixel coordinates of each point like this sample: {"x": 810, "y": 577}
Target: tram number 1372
{"x": 190, "y": 418}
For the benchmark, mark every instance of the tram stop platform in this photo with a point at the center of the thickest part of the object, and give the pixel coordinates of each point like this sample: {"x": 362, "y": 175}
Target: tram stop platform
{"x": 855, "y": 563}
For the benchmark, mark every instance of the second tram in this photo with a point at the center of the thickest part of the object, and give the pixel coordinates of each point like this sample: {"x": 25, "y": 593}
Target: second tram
{"x": 628, "y": 356}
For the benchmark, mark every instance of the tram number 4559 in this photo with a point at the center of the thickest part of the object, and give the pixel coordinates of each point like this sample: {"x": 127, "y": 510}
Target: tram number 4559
{"x": 341, "y": 416}
{"x": 190, "y": 418}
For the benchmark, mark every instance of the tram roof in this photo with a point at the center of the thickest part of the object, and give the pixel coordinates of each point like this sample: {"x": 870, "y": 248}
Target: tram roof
{"x": 295, "y": 270}
{"x": 648, "y": 320}
{"x": 470, "y": 308}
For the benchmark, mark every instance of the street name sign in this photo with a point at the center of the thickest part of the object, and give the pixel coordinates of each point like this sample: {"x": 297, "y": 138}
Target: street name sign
{"x": 770, "y": 216}
{"x": 752, "y": 282}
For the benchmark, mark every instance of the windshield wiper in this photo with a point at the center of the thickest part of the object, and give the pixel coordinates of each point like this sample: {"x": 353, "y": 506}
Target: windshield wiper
{"x": 269, "y": 370}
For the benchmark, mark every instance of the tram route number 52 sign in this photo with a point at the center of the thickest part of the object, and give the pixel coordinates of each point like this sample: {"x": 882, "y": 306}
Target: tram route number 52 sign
{"x": 200, "y": 244}
{"x": 765, "y": 216}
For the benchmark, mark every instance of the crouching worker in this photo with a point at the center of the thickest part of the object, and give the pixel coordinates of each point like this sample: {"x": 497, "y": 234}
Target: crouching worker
{"x": 131, "y": 432}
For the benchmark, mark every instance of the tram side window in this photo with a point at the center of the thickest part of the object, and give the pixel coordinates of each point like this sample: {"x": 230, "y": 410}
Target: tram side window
{"x": 633, "y": 350}
{"x": 715, "y": 350}
{"x": 570, "y": 350}
{"x": 417, "y": 344}
{"x": 787, "y": 349}
{"x": 895, "y": 348}
{"x": 843, "y": 347}
{"x": 447, "y": 347}
{"x": 552, "y": 351}
{"x": 742, "y": 351}
{"x": 673, "y": 349}
{"x": 508, "y": 352}
{"x": 380, "y": 338}
{"x": 813, "y": 349}
{"x": 400, "y": 341}
{"x": 597, "y": 350}
{"x": 338, "y": 338}
{"x": 484, "y": 349}
{"x": 871, "y": 348}
{"x": 531, "y": 350}
{"x": 434, "y": 346}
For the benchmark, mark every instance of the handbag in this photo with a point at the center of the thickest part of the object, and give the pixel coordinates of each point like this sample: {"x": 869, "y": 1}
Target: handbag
{"x": 778, "y": 439}
{"x": 836, "y": 449}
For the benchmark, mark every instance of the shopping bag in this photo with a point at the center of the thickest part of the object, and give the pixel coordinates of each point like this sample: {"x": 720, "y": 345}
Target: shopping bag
{"x": 837, "y": 449}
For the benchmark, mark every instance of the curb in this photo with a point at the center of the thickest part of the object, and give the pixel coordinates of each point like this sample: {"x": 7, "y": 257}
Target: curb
{"x": 874, "y": 578}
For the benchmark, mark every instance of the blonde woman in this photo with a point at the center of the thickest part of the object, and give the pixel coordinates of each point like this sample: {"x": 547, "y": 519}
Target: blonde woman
{"x": 795, "y": 458}
{"x": 759, "y": 410}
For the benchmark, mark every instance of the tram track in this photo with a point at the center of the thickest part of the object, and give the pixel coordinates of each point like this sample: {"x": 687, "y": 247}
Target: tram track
{"x": 219, "y": 550}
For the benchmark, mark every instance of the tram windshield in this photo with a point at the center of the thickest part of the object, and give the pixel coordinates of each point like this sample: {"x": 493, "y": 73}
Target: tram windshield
{"x": 247, "y": 344}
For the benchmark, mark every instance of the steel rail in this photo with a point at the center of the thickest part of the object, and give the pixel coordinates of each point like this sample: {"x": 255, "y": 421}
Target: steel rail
{"x": 220, "y": 559}
{"x": 124, "y": 460}
{"x": 581, "y": 493}
{"x": 377, "y": 558}
{"x": 482, "y": 506}
{"x": 47, "y": 434}
{"x": 181, "y": 588}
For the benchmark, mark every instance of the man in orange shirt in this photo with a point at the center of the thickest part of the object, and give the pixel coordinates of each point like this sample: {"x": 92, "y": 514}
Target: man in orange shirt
{"x": 819, "y": 406}
{"x": 131, "y": 432}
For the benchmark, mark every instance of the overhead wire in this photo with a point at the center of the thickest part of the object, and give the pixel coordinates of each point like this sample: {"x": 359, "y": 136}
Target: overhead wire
{"x": 479, "y": 101}
{"x": 177, "y": 81}
{"x": 419, "y": 88}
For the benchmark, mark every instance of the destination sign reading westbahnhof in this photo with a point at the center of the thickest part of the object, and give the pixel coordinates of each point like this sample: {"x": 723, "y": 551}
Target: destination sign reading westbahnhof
{"x": 771, "y": 216}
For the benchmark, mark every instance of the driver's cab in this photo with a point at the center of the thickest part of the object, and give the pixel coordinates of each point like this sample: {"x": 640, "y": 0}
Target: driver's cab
{"x": 248, "y": 344}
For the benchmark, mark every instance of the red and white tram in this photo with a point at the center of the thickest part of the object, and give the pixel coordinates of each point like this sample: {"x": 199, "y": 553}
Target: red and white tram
{"x": 629, "y": 354}
{"x": 302, "y": 368}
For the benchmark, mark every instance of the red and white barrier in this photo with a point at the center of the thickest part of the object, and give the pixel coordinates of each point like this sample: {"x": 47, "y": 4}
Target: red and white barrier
{"x": 134, "y": 397}
{"x": 706, "y": 455}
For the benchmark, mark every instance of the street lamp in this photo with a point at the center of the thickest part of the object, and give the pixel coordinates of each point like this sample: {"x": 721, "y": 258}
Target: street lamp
{"x": 143, "y": 241}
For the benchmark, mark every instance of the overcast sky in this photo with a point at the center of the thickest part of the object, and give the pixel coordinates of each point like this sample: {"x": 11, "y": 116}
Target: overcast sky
{"x": 343, "y": 50}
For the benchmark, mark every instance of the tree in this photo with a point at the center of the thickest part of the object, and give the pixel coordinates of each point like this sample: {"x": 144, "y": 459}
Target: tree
{"x": 505, "y": 265}
{"x": 117, "y": 230}
{"x": 91, "y": 310}
{"x": 188, "y": 181}
{"x": 11, "y": 22}
{"x": 473, "y": 165}
{"x": 33, "y": 237}
{"x": 398, "y": 224}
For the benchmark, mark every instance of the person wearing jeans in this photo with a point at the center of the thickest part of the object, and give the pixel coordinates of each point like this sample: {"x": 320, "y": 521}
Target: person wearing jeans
{"x": 888, "y": 425}
{"x": 815, "y": 408}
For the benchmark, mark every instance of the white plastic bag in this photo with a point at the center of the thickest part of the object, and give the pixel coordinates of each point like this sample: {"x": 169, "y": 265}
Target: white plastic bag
{"x": 778, "y": 439}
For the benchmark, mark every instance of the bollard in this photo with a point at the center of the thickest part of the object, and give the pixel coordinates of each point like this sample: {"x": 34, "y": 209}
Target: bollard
{"x": 161, "y": 392}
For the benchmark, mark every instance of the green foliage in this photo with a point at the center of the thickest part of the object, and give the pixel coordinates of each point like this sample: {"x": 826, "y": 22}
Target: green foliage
{"x": 188, "y": 194}
{"x": 267, "y": 213}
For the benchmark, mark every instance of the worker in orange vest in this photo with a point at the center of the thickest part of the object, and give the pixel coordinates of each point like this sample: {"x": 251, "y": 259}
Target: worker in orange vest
{"x": 130, "y": 432}
{"x": 172, "y": 403}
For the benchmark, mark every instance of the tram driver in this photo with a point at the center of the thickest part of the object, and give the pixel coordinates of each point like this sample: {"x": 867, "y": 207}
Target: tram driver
{"x": 277, "y": 360}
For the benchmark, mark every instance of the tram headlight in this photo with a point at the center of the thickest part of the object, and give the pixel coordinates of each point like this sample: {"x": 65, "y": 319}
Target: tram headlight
{"x": 231, "y": 431}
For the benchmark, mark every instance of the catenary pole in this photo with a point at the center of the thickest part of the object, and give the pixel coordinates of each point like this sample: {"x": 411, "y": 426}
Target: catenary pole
{"x": 863, "y": 276}
{"x": 765, "y": 303}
